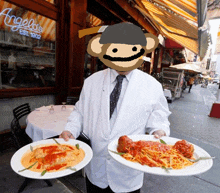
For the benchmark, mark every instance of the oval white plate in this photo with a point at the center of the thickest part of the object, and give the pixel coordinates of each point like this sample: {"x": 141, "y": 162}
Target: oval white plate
{"x": 197, "y": 168}
{"x": 16, "y": 163}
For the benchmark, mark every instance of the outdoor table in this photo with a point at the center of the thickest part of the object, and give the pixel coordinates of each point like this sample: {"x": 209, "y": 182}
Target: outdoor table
{"x": 41, "y": 124}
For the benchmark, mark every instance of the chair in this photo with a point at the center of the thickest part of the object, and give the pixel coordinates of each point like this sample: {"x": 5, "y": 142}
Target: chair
{"x": 71, "y": 100}
{"x": 20, "y": 137}
{"x": 21, "y": 111}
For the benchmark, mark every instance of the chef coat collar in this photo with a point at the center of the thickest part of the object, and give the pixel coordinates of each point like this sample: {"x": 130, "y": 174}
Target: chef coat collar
{"x": 114, "y": 74}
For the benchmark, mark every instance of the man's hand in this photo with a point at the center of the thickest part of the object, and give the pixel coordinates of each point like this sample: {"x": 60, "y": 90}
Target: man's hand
{"x": 66, "y": 135}
{"x": 159, "y": 133}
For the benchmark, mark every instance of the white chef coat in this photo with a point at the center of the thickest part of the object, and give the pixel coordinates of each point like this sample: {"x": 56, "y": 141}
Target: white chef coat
{"x": 143, "y": 108}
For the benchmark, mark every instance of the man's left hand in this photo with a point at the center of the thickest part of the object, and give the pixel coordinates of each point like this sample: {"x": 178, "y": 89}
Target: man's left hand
{"x": 159, "y": 133}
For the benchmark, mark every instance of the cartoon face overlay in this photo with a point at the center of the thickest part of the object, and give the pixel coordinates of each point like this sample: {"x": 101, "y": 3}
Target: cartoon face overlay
{"x": 123, "y": 52}
{"x": 120, "y": 52}
{"x": 122, "y": 57}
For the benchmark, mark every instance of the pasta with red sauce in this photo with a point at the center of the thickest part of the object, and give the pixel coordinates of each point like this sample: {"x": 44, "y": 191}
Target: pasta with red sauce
{"x": 156, "y": 154}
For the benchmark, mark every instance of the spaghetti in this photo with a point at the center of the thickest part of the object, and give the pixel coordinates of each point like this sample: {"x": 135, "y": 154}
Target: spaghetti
{"x": 156, "y": 154}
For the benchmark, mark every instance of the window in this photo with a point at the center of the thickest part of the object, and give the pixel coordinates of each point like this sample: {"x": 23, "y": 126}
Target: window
{"x": 27, "y": 48}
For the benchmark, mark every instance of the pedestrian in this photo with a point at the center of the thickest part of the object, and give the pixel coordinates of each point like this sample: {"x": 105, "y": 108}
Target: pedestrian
{"x": 120, "y": 100}
{"x": 12, "y": 66}
{"x": 191, "y": 82}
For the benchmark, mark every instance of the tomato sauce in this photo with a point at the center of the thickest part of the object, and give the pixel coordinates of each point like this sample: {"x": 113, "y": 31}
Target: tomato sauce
{"x": 56, "y": 167}
{"x": 52, "y": 157}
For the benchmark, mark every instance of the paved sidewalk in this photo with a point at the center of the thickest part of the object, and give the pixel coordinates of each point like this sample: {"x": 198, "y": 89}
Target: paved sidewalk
{"x": 190, "y": 115}
{"x": 189, "y": 120}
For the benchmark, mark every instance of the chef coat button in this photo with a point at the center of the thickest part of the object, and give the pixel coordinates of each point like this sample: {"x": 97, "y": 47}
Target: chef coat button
{"x": 108, "y": 157}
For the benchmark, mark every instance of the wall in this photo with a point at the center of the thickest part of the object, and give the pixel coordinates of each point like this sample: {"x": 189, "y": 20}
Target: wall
{"x": 7, "y": 106}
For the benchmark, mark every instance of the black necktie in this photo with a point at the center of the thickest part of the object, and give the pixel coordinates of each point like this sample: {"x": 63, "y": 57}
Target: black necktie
{"x": 115, "y": 94}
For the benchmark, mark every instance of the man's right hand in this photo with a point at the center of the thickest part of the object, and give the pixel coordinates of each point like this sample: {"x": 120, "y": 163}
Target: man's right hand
{"x": 66, "y": 135}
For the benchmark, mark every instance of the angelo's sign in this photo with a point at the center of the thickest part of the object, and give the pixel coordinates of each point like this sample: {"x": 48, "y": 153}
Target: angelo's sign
{"x": 23, "y": 26}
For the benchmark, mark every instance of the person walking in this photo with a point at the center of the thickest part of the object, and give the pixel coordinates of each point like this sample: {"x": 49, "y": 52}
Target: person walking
{"x": 191, "y": 82}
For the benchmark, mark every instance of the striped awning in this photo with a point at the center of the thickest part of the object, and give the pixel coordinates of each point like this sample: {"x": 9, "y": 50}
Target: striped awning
{"x": 50, "y": 1}
{"x": 48, "y": 25}
{"x": 172, "y": 21}
{"x": 93, "y": 21}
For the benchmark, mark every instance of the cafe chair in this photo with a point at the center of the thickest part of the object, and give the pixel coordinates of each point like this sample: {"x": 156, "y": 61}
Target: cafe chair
{"x": 20, "y": 138}
{"x": 21, "y": 111}
{"x": 71, "y": 100}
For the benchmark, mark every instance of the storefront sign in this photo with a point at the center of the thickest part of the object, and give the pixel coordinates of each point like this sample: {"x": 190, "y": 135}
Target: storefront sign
{"x": 23, "y": 26}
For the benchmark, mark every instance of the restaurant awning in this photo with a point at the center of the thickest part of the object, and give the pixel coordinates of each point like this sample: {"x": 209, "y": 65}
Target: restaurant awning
{"x": 191, "y": 66}
{"x": 178, "y": 20}
{"x": 48, "y": 25}
{"x": 92, "y": 20}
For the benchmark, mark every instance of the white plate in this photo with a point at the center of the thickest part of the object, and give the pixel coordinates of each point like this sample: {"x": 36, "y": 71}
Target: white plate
{"x": 16, "y": 163}
{"x": 197, "y": 168}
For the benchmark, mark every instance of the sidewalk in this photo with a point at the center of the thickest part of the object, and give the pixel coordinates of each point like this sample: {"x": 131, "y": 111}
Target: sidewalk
{"x": 190, "y": 115}
{"x": 189, "y": 120}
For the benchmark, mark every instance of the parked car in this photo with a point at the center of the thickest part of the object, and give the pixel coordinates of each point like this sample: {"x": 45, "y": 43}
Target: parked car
{"x": 215, "y": 80}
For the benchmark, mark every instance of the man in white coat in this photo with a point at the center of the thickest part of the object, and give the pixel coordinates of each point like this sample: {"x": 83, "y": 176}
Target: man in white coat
{"x": 141, "y": 108}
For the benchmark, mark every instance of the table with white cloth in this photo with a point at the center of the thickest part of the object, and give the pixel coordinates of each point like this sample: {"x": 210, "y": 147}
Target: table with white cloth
{"x": 41, "y": 124}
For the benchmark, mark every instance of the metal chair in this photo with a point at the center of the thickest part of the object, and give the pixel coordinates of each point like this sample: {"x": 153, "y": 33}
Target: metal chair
{"x": 21, "y": 111}
{"x": 20, "y": 138}
{"x": 71, "y": 100}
